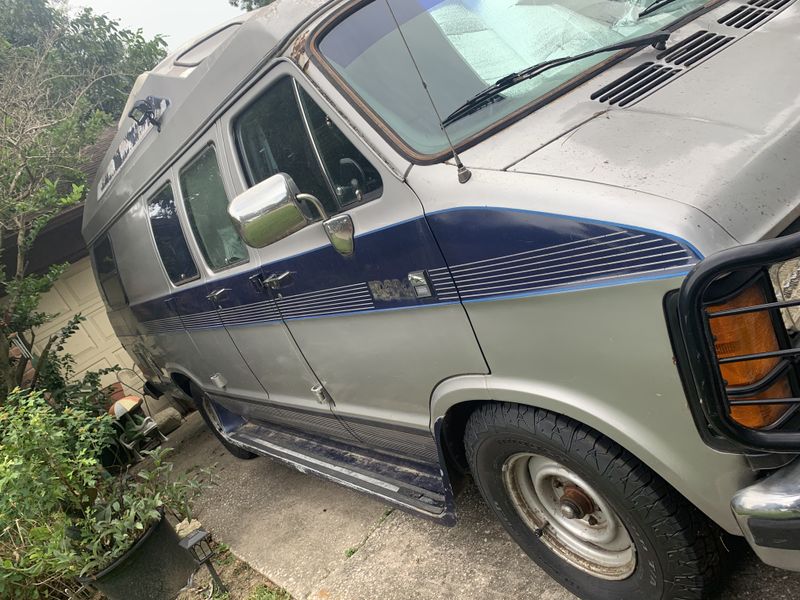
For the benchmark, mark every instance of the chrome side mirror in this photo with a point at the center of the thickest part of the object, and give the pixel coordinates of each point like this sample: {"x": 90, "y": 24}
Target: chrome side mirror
{"x": 268, "y": 211}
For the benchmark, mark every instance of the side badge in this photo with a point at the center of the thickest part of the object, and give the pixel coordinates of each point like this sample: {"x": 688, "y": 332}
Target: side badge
{"x": 416, "y": 285}
{"x": 419, "y": 281}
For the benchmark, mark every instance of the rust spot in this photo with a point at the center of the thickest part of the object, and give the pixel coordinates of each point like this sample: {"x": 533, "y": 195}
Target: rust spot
{"x": 298, "y": 53}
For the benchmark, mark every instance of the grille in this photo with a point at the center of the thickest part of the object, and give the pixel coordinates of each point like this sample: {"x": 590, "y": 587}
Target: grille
{"x": 754, "y": 13}
{"x": 746, "y": 17}
{"x": 771, "y": 4}
{"x": 695, "y": 48}
{"x": 740, "y": 315}
{"x": 632, "y": 86}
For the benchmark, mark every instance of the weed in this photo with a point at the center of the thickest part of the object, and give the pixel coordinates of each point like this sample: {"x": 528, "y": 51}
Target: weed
{"x": 350, "y": 551}
{"x": 262, "y": 592}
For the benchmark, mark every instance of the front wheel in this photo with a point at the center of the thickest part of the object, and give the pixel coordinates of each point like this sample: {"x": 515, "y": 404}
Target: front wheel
{"x": 588, "y": 512}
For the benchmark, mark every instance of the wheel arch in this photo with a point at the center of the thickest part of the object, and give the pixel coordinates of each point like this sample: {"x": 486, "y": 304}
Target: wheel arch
{"x": 707, "y": 478}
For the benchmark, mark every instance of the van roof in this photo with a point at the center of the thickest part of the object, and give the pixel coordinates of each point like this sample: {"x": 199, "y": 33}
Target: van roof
{"x": 187, "y": 88}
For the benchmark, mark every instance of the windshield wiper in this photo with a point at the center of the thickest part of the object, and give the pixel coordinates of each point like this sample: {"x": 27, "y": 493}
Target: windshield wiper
{"x": 654, "y": 6}
{"x": 489, "y": 95}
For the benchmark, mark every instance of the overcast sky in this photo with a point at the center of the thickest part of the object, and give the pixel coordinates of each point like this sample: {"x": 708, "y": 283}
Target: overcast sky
{"x": 177, "y": 20}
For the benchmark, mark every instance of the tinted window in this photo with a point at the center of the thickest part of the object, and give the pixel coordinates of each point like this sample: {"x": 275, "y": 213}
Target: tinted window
{"x": 353, "y": 176}
{"x": 273, "y": 139}
{"x": 169, "y": 237}
{"x": 107, "y": 274}
{"x": 207, "y": 209}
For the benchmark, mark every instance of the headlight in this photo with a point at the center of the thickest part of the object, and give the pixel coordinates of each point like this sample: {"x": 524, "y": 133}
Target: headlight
{"x": 786, "y": 281}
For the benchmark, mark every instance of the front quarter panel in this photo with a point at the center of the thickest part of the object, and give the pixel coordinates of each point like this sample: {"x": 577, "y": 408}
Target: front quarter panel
{"x": 598, "y": 350}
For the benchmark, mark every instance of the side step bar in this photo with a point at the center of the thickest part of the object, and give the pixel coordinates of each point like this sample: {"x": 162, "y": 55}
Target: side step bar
{"x": 419, "y": 489}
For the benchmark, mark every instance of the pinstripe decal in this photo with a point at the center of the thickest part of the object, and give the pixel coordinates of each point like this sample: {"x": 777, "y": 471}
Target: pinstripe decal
{"x": 535, "y": 253}
{"x": 601, "y": 258}
{"x": 349, "y": 298}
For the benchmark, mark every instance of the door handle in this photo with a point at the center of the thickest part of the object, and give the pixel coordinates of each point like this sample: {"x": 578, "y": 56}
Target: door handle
{"x": 219, "y": 295}
{"x": 276, "y": 281}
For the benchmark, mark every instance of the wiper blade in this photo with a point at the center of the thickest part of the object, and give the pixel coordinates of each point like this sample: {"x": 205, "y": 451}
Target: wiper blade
{"x": 488, "y": 95}
{"x": 654, "y": 6}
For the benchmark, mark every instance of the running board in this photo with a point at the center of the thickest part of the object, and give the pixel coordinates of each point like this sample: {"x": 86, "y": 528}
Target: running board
{"x": 420, "y": 489}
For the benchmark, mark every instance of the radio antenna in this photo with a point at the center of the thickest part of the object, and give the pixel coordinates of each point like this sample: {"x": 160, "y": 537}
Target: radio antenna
{"x": 464, "y": 174}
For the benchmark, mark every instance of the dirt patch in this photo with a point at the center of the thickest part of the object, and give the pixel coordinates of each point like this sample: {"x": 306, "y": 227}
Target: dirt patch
{"x": 242, "y": 582}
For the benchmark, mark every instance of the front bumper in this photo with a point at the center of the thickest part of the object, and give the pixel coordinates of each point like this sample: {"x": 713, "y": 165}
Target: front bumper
{"x": 769, "y": 514}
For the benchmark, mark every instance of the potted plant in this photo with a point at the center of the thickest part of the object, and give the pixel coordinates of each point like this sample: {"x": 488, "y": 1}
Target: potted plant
{"x": 63, "y": 516}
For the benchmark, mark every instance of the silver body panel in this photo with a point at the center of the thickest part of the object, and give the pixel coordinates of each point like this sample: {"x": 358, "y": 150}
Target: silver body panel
{"x": 685, "y": 172}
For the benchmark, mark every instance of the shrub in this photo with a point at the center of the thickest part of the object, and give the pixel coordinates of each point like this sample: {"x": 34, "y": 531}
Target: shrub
{"x": 62, "y": 514}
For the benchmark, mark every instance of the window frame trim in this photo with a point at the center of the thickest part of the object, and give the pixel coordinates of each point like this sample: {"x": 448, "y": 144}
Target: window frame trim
{"x": 146, "y": 199}
{"x": 179, "y": 169}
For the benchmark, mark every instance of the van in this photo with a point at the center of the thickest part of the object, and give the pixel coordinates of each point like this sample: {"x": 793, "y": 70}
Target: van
{"x": 549, "y": 245}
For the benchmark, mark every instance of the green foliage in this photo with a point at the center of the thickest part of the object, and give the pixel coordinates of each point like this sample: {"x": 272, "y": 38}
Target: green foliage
{"x": 49, "y": 466}
{"x": 61, "y": 513}
{"x": 250, "y": 4}
{"x": 63, "y": 79}
{"x": 124, "y": 507}
{"x": 262, "y": 592}
{"x": 88, "y": 45}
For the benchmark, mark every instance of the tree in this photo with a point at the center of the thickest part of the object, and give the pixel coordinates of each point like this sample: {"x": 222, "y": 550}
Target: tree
{"x": 250, "y": 4}
{"x": 62, "y": 80}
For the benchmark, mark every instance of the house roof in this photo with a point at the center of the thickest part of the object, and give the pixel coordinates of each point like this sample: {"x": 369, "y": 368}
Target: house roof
{"x": 60, "y": 241}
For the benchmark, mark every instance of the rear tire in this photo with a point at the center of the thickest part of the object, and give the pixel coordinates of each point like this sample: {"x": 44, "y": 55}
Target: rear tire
{"x": 620, "y": 532}
{"x": 206, "y": 410}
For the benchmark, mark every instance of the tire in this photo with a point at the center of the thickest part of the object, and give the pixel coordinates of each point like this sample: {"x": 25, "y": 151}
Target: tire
{"x": 204, "y": 407}
{"x": 536, "y": 469}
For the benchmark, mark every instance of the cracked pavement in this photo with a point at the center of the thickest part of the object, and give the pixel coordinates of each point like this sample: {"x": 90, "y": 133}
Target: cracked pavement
{"x": 301, "y": 533}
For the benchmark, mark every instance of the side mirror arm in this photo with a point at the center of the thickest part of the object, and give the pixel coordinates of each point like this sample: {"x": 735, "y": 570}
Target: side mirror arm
{"x": 314, "y": 201}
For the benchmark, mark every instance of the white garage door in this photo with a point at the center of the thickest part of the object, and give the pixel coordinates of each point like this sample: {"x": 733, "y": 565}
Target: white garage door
{"x": 94, "y": 346}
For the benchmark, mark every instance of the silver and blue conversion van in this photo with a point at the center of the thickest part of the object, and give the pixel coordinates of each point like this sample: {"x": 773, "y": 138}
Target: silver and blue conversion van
{"x": 548, "y": 244}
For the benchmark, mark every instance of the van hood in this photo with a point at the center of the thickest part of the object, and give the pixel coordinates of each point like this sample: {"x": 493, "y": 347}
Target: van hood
{"x": 723, "y": 137}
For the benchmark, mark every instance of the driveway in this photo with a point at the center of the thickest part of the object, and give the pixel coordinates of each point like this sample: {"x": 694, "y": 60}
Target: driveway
{"x": 323, "y": 541}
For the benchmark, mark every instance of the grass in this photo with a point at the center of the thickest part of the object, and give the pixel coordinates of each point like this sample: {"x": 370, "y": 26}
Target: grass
{"x": 351, "y": 551}
{"x": 263, "y": 592}
{"x": 243, "y": 582}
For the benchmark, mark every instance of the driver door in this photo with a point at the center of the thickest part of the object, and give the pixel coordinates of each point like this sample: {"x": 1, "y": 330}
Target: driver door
{"x": 377, "y": 343}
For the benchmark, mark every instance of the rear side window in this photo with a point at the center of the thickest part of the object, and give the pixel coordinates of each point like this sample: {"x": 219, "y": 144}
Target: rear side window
{"x": 285, "y": 131}
{"x": 207, "y": 208}
{"x": 107, "y": 274}
{"x": 169, "y": 237}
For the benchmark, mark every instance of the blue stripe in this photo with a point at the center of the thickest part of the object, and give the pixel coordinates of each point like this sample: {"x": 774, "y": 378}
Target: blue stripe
{"x": 587, "y": 221}
{"x": 493, "y": 253}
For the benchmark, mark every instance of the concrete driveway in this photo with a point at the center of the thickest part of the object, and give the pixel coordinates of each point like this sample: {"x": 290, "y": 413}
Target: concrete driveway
{"x": 323, "y": 541}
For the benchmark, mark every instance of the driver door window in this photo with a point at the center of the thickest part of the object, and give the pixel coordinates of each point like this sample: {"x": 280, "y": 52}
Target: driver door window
{"x": 285, "y": 131}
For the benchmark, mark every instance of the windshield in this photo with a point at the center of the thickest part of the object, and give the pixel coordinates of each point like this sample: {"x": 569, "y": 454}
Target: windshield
{"x": 462, "y": 46}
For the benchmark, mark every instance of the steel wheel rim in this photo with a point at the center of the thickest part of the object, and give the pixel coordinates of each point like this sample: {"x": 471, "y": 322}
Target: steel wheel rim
{"x": 594, "y": 540}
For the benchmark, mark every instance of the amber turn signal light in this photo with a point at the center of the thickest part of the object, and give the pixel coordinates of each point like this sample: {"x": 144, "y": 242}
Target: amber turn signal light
{"x": 749, "y": 333}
